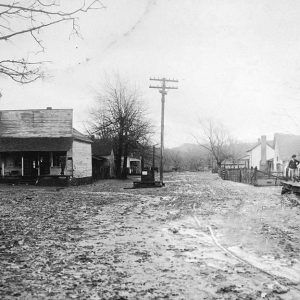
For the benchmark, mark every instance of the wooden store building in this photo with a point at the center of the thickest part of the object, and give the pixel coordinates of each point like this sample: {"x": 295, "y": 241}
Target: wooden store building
{"x": 42, "y": 143}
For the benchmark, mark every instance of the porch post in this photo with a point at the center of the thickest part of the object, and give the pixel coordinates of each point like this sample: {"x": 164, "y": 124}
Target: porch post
{"x": 22, "y": 172}
{"x": 38, "y": 164}
{"x": 2, "y": 167}
{"x": 51, "y": 159}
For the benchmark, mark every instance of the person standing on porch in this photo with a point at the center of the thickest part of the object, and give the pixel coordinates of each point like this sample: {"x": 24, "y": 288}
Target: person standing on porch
{"x": 293, "y": 167}
{"x": 62, "y": 160}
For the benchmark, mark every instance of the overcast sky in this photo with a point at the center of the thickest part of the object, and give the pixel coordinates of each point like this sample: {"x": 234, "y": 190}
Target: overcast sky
{"x": 237, "y": 61}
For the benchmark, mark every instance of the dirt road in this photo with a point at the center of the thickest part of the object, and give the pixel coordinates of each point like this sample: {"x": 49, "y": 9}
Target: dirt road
{"x": 197, "y": 238}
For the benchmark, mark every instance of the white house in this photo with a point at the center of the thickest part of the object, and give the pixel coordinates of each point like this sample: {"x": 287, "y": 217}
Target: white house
{"x": 134, "y": 165}
{"x": 262, "y": 155}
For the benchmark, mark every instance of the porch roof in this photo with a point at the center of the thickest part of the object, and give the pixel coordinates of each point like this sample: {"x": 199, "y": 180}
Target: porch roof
{"x": 35, "y": 144}
{"x": 81, "y": 137}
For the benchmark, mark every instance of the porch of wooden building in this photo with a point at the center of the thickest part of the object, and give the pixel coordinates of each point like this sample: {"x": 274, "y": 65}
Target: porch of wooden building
{"x": 34, "y": 167}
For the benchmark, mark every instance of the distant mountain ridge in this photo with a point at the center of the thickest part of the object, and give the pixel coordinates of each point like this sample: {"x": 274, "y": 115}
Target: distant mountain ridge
{"x": 190, "y": 148}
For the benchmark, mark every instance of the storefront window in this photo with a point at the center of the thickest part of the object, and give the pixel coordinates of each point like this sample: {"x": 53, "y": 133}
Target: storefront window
{"x": 57, "y": 158}
{"x": 13, "y": 161}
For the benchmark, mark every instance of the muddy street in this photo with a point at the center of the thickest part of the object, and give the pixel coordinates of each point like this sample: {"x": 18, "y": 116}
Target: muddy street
{"x": 197, "y": 238}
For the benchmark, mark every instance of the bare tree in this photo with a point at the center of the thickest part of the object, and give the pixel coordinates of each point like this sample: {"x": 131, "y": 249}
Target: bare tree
{"x": 29, "y": 17}
{"x": 216, "y": 139}
{"x": 120, "y": 116}
{"x": 173, "y": 160}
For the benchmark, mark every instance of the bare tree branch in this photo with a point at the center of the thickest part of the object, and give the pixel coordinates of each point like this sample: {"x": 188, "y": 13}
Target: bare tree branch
{"x": 216, "y": 140}
{"x": 20, "y": 70}
{"x": 24, "y": 17}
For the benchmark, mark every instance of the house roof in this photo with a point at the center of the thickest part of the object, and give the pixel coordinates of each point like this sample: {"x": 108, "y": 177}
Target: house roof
{"x": 101, "y": 148}
{"x": 81, "y": 137}
{"x": 36, "y": 123}
{"x": 269, "y": 143}
{"x": 13, "y": 144}
{"x": 35, "y": 144}
{"x": 231, "y": 161}
{"x": 227, "y": 161}
{"x": 287, "y": 145}
{"x": 245, "y": 157}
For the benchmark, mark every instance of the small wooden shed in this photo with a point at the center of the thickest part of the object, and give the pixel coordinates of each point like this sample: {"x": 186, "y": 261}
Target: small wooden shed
{"x": 103, "y": 159}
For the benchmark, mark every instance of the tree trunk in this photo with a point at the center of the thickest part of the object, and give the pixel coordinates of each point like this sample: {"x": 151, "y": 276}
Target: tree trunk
{"x": 119, "y": 157}
{"x": 124, "y": 171}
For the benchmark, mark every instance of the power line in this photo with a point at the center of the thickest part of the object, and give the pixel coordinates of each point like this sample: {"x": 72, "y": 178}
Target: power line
{"x": 163, "y": 90}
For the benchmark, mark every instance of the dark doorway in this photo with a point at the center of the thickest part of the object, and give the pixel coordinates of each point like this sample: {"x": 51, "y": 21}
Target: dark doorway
{"x": 44, "y": 158}
{"x": 33, "y": 161}
{"x": 30, "y": 164}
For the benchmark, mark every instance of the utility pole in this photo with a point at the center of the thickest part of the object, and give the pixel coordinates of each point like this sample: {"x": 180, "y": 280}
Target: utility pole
{"x": 163, "y": 90}
{"x": 153, "y": 158}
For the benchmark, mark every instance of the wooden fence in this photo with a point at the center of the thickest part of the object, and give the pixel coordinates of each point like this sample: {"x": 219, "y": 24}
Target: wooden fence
{"x": 251, "y": 176}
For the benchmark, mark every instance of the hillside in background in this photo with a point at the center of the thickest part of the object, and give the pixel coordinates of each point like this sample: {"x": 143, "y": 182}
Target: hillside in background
{"x": 194, "y": 157}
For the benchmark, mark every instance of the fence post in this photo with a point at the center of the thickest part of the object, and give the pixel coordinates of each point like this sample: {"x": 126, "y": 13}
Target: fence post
{"x": 255, "y": 175}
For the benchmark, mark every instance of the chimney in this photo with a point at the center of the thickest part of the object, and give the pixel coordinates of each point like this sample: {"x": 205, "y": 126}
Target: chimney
{"x": 263, "y": 161}
{"x": 49, "y": 107}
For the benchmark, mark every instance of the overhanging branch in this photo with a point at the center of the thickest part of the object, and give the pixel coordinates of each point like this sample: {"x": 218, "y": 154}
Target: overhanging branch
{"x": 20, "y": 70}
{"x": 28, "y": 17}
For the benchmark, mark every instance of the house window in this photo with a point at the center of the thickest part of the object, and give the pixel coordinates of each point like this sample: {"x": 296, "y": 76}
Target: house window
{"x": 13, "y": 161}
{"x": 57, "y": 157}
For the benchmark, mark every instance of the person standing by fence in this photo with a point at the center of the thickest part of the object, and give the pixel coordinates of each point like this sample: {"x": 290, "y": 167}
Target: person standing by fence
{"x": 253, "y": 174}
{"x": 293, "y": 167}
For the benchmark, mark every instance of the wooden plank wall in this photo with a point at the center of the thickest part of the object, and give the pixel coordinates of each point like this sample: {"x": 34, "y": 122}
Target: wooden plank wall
{"x": 36, "y": 123}
{"x": 82, "y": 159}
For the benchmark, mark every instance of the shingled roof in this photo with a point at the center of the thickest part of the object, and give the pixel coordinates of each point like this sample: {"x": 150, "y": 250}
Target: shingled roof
{"x": 269, "y": 143}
